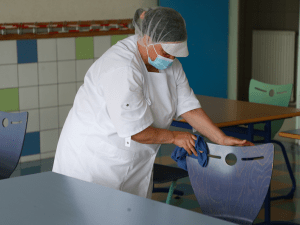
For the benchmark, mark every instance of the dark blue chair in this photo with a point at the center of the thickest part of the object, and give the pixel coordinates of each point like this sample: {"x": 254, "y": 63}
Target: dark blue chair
{"x": 235, "y": 182}
{"x": 12, "y": 133}
{"x": 165, "y": 174}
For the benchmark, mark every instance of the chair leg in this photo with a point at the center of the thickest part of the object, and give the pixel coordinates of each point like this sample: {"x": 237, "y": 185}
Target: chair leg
{"x": 171, "y": 190}
{"x": 290, "y": 195}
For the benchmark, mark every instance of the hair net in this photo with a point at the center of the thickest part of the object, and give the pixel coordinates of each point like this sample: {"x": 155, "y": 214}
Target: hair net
{"x": 161, "y": 24}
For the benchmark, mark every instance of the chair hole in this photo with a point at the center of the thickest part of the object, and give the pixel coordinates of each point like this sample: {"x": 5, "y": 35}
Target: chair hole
{"x": 214, "y": 156}
{"x": 16, "y": 122}
{"x": 253, "y": 158}
{"x": 5, "y": 122}
{"x": 230, "y": 159}
{"x": 281, "y": 92}
{"x": 260, "y": 89}
{"x": 271, "y": 93}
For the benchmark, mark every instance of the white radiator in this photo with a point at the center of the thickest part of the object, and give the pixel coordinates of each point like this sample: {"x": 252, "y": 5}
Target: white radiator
{"x": 273, "y": 57}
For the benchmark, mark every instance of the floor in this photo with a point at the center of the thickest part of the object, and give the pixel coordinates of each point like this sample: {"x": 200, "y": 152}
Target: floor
{"x": 285, "y": 210}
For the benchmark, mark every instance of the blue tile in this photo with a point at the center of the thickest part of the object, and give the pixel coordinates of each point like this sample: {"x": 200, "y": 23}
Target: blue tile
{"x": 27, "y": 51}
{"x": 31, "y": 144}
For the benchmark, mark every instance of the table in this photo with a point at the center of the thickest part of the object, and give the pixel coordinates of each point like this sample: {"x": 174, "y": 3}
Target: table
{"x": 227, "y": 114}
{"x": 295, "y": 134}
{"x": 50, "y": 198}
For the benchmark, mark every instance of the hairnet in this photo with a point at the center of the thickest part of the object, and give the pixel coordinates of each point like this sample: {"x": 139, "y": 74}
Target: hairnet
{"x": 161, "y": 24}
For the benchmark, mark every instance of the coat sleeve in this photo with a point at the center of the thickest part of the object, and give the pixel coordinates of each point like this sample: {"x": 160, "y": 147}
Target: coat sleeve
{"x": 186, "y": 99}
{"x": 127, "y": 107}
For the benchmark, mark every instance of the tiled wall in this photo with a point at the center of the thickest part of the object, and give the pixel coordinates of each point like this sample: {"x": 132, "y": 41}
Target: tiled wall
{"x": 42, "y": 77}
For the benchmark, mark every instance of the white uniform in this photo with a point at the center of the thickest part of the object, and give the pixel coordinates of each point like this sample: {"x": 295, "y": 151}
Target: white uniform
{"x": 120, "y": 98}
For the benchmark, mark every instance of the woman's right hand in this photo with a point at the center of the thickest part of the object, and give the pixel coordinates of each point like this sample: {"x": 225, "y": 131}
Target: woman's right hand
{"x": 185, "y": 140}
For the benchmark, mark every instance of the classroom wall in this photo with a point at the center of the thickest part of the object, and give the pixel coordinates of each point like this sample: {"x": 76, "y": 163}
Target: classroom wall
{"x": 15, "y": 11}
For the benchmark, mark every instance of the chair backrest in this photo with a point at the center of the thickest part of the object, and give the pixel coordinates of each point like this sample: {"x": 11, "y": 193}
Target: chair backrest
{"x": 232, "y": 192}
{"x": 12, "y": 133}
{"x": 270, "y": 94}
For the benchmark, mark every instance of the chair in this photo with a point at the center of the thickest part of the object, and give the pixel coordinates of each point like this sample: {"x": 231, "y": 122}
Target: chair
{"x": 165, "y": 174}
{"x": 279, "y": 95}
{"x": 12, "y": 133}
{"x": 232, "y": 190}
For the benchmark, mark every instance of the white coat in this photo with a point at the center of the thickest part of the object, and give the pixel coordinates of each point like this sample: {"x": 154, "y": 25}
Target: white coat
{"x": 120, "y": 98}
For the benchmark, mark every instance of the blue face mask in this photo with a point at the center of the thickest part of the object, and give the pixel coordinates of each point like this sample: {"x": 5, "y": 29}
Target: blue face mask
{"x": 160, "y": 62}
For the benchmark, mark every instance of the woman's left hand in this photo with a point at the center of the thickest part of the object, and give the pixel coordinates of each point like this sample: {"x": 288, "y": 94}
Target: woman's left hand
{"x": 232, "y": 141}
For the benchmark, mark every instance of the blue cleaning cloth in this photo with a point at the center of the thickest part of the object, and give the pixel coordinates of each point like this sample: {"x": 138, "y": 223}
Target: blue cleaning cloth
{"x": 179, "y": 154}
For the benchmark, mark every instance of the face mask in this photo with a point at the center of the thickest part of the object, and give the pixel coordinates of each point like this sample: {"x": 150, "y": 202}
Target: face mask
{"x": 160, "y": 62}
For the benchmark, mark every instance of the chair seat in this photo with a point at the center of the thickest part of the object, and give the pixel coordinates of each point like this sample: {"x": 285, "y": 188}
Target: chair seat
{"x": 164, "y": 174}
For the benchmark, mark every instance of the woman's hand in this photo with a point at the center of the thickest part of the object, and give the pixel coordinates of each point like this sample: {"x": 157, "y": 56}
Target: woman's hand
{"x": 236, "y": 142}
{"x": 185, "y": 140}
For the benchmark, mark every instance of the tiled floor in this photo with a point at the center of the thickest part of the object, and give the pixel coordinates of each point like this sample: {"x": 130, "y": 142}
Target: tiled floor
{"x": 285, "y": 210}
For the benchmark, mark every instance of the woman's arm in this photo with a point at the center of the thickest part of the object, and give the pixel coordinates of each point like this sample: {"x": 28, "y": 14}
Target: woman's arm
{"x": 199, "y": 120}
{"x": 152, "y": 135}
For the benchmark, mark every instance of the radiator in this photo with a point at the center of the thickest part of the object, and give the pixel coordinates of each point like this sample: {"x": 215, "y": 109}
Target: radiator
{"x": 273, "y": 57}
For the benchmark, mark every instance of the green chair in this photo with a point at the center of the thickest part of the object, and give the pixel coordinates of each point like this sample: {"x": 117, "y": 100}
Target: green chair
{"x": 278, "y": 95}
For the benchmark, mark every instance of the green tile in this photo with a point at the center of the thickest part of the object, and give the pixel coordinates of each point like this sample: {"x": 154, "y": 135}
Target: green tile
{"x": 9, "y": 99}
{"x": 84, "y": 48}
{"x": 116, "y": 38}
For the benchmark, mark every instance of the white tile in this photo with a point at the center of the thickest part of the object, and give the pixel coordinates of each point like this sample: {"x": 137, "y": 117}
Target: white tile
{"x": 48, "y": 95}
{"x": 66, "y": 48}
{"x": 63, "y": 113}
{"x": 48, "y": 155}
{"x": 33, "y": 122}
{"x": 101, "y": 45}
{"x": 28, "y": 74}
{"x": 8, "y": 76}
{"x": 10, "y": 49}
{"x": 66, "y": 71}
{"x": 30, "y": 158}
{"x": 78, "y": 84}
{"x": 47, "y": 73}
{"x": 49, "y": 118}
{"x": 46, "y": 50}
{"x": 28, "y": 98}
{"x": 82, "y": 66}
{"x": 66, "y": 93}
{"x": 49, "y": 140}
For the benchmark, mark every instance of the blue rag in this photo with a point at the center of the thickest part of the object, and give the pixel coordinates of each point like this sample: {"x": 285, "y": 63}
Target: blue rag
{"x": 179, "y": 154}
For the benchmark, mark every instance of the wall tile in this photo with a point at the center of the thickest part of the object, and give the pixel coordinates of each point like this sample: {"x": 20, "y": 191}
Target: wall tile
{"x": 33, "y": 122}
{"x": 31, "y": 144}
{"x": 28, "y": 74}
{"x": 82, "y": 66}
{"x": 292, "y": 6}
{"x": 101, "y": 45}
{"x": 66, "y": 93}
{"x": 47, "y": 73}
{"x": 9, "y": 99}
{"x": 63, "y": 113}
{"x": 116, "y": 38}
{"x": 8, "y": 76}
{"x": 48, "y": 96}
{"x": 66, "y": 48}
{"x": 291, "y": 21}
{"x": 48, "y": 118}
{"x": 10, "y": 49}
{"x": 49, "y": 140}
{"x": 27, "y": 51}
{"x": 84, "y": 48}
{"x": 29, "y": 98}
{"x": 46, "y": 50}
{"x": 66, "y": 71}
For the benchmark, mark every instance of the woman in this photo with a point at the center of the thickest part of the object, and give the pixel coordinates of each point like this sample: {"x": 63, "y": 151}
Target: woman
{"x": 122, "y": 112}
